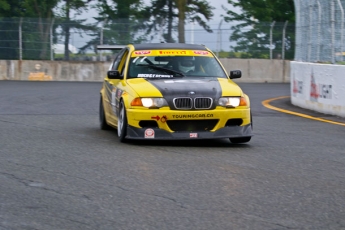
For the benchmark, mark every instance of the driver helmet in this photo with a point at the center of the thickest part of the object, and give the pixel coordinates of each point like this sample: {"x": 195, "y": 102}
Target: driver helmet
{"x": 186, "y": 64}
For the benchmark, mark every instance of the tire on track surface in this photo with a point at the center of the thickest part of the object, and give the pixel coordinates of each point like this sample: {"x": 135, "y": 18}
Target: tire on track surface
{"x": 122, "y": 123}
{"x": 102, "y": 120}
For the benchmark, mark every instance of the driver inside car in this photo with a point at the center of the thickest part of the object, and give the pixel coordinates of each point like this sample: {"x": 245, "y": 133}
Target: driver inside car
{"x": 186, "y": 64}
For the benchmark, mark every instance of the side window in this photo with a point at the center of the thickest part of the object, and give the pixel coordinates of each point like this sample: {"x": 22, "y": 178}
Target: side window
{"x": 118, "y": 59}
{"x": 122, "y": 63}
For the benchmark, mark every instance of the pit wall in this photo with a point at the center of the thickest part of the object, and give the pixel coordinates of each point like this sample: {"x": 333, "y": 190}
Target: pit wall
{"x": 253, "y": 70}
{"x": 318, "y": 87}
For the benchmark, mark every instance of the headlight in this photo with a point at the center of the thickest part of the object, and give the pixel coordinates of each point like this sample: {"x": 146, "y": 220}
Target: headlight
{"x": 149, "y": 102}
{"x": 232, "y": 102}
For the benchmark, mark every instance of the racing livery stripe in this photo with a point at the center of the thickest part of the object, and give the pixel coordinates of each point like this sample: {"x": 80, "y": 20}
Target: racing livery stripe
{"x": 200, "y": 88}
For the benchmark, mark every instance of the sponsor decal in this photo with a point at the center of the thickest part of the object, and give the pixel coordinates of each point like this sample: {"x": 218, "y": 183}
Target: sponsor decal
{"x": 114, "y": 102}
{"x": 115, "y": 98}
{"x": 319, "y": 90}
{"x": 119, "y": 93}
{"x": 173, "y": 52}
{"x": 200, "y": 52}
{"x": 193, "y": 135}
{"x": 155, "y": 76}
{"x": 186, "y": 81}
{"x": 149, "y": 133}
{"x": 142, "y": 52}
{"x": 313, "y": 89}
{"x": 297, "y": 87}
{"x": 201, "y": 115}
{"x": 38, "y": 75}
{"x": 325, "y": 91}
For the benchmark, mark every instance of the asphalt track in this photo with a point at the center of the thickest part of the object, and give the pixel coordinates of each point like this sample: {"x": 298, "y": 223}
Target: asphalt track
{"x": 59, "y": 171}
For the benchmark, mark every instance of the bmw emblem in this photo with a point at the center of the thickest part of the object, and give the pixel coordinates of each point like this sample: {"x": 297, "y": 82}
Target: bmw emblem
{"x": 191, "y": 93}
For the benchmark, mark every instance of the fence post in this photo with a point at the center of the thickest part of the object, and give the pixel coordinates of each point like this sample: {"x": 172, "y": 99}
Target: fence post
{"x": 283, "y": 40}
{"x": 101, "y": 39}
{"x": 332, "y": 32}
{"x": 297, "y": 31}
{"x": 310, "y": 34}
{"x": 161, "y": 29}
{"x": 51, "y": 41}
{"x": 318, "y": 31}
{"x": 101, "y": 43}
{"x": 271, "y": 39}
{"x": 192, "y": 32}
{"x": 219, "y": 38}
{"x": 20, "y": 40}
{"x": 341, "y": 30}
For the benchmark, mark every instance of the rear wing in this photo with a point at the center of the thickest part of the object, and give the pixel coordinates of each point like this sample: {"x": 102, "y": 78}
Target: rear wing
{"x": 110, "y": 47}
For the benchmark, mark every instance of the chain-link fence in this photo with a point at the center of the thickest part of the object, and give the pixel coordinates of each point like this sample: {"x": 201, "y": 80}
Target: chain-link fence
{"x": 320, "y": 31}
{"x": 43, "y": 39}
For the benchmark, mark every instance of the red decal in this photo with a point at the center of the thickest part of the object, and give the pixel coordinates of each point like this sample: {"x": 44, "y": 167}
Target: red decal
{"x": 314, "y": 91}
{"x": 149, "y": 133}
{"x": 164, "y": 119}
{"x": 200, "y": 52}
{"x": 142, "y": 52}
{"x": 193, "y": 135}
{"x": 295, "y": 89}
{"x": 156, "y": 118}
{"x": 173, "y": 52}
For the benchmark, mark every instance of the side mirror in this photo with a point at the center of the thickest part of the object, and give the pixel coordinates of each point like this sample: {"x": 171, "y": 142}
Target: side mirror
{"x": 114, "y": 74}
{"x": 235, "y": 74}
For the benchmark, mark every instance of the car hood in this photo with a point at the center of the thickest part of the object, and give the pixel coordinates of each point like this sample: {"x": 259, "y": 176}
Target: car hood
{"x": 185, "y": 87}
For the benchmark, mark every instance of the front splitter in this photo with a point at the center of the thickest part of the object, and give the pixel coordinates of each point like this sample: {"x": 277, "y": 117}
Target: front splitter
{"x": 160, "y": 134}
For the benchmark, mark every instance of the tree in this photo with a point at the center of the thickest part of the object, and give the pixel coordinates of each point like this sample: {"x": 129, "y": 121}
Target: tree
{"x": 43, "y": 11}
{"x": 162, "y": 12}
{"x": 35, "y": 27}
{"x": 67, "y": 22}
{"x": 121, "y": 20}
{"x": 4, "y": 5}
{"x": 199, "y": 11}
{"x": 254, "y": 22}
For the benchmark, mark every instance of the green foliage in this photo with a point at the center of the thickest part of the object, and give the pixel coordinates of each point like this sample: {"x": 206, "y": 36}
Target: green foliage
{"x": 252, "y": 32}
{"x": 121, "y": 20}
{"x": 243, "y": 55}
{"x": 70, "y": 22}
{"x": 4, "y": 5}
{"x": 171, "y": 12}
{"x": 34, "y": 31}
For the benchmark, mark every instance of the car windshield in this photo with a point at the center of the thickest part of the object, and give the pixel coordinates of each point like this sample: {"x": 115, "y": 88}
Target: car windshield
{"x": 174, "y": 66}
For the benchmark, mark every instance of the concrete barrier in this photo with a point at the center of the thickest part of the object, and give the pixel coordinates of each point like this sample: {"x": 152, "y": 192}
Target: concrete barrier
{"x": 260, "y": 70}
{"x": 253, "y": 70}
{"x": 318, "y": 87}
{"x": 53, "y": 70}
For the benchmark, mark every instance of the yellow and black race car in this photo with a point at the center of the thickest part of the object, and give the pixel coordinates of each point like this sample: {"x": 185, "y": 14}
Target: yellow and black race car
{"x": 172, "y": 91}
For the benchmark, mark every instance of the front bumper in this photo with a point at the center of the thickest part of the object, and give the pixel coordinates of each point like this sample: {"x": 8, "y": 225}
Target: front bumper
{"x": 163, "y": 131}
{"x": 160, "y": 134}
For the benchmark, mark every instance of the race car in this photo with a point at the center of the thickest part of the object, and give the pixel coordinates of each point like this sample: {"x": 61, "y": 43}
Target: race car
{"x": 173, "y": 91}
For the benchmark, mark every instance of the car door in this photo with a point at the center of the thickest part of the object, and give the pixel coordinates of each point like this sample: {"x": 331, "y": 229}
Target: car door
{"x": 115, "y": 87}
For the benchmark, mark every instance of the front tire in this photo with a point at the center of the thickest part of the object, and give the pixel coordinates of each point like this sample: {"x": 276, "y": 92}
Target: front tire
{"x": 102, "y": 120}
{"x": 122, "y": 123}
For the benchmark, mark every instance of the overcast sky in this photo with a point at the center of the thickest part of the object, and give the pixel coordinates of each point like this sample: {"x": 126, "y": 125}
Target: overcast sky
{"x": 219, "y": 39}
